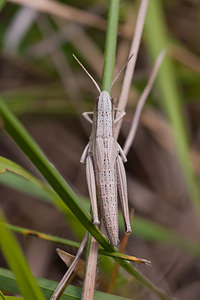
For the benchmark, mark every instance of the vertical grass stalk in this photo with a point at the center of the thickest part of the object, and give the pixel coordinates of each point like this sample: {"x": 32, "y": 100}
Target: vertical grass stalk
{"x": 110, "y": 43}
{"x": 156, "y": 37}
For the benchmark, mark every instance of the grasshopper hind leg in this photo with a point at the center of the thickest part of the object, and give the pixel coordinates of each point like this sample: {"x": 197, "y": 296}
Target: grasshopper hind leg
{"x": 122, "y": 191}
{"x": 92, "y": 189}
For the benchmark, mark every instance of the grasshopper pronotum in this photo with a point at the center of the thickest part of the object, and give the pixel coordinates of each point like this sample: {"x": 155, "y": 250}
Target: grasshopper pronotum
{"x": 105, "y": 171}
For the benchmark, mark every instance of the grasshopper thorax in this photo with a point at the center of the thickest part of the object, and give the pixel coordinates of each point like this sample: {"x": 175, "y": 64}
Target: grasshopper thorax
{"x": 104, "y": 115}
{"x": 104, "y": 103}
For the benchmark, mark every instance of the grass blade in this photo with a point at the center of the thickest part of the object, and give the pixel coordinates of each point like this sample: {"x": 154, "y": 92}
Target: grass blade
{"x": 110, "y": 44}
{"x": 156, "y": 38}
{"x": 8, "y": 282}
{"x": 17, "y": 263}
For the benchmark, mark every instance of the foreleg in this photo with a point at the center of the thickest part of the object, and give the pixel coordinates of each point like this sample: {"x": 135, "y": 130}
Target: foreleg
{"x": 122, "y": 153}
{"x": 92, "y": 189}
{"x": 122, "y": 191}
{"x": 86, "y": 116}
{"x": 84, "y": 154}
{"x": 120, "y": 116}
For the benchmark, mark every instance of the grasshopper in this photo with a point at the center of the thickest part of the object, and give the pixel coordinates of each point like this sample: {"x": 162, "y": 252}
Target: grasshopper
{"x": 104, "y": 158}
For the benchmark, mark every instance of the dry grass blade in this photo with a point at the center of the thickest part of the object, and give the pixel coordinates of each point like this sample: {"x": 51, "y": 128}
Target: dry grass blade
{"x": 89, "y": 282}
{"x": 18, "y": 28}
{"x": 131, "y": 66}
{"x": 62, "y": 285}
{"x": 141, "y": 102}
{"x": 68, "y": 260}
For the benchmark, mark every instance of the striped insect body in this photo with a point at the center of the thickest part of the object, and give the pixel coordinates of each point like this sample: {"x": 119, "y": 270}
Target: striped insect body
{"x": 105, "y": 171}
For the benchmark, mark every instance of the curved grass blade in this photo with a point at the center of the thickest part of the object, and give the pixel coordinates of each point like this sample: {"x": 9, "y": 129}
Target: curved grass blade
{"x": 26, "y": 182}
{"x": 43, "y": 236}
{"x": 66, "y": 242}
{"x": 43, "y": 190}
{"x": 2, "y": 297}
{"x": 7, "y": 164}
{"x": 15, "y": 259}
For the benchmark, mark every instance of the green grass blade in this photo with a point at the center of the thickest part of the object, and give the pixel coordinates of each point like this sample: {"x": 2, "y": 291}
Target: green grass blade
{"x": 26, "y": 182}
{"x": 7, "y": 164}
{"x": 7, "y": 281}
{"x": 15, "y": 259}
{"x": 62, "y": 241}
{"x": 30, "y": 148}
{"x": 145, "y": 229}
{"x": 156, "y": 37}
{"x": 42, "y": 189}
{"x": 21, "y": 184}
{"x": 2, "y": 297}
{"x": 110, "y": 44}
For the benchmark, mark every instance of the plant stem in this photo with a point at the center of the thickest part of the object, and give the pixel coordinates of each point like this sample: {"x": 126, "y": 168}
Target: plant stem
{"x": 110, "y": 44}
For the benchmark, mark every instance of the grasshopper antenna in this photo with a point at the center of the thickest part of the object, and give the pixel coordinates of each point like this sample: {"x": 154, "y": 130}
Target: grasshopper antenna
{"x": 119, "y": 73}
{"x": 95, "y": 83}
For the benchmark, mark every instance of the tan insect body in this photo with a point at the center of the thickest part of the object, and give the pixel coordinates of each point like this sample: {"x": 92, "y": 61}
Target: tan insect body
{"x": 104, "y": 168}
{"x": 104, "y": 159}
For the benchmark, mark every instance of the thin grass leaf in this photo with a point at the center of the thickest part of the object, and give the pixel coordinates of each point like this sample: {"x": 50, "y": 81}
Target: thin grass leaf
{"x": 15, "y": 259}
{"x": 43, "y": 236}
{"x": 21, "y": 184}
{"x": 110, "y": 44}
{"x": 145, "y": 229}
{"x": 30, "y": 148}
{"x": 156, "y": 38}
{"x": 7, "y": 164}
{"x": 38, "y": 189}
{"x": 11, "y": 298}
{"x": 42, "y": 189}
{"x": 8, "y": 282}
